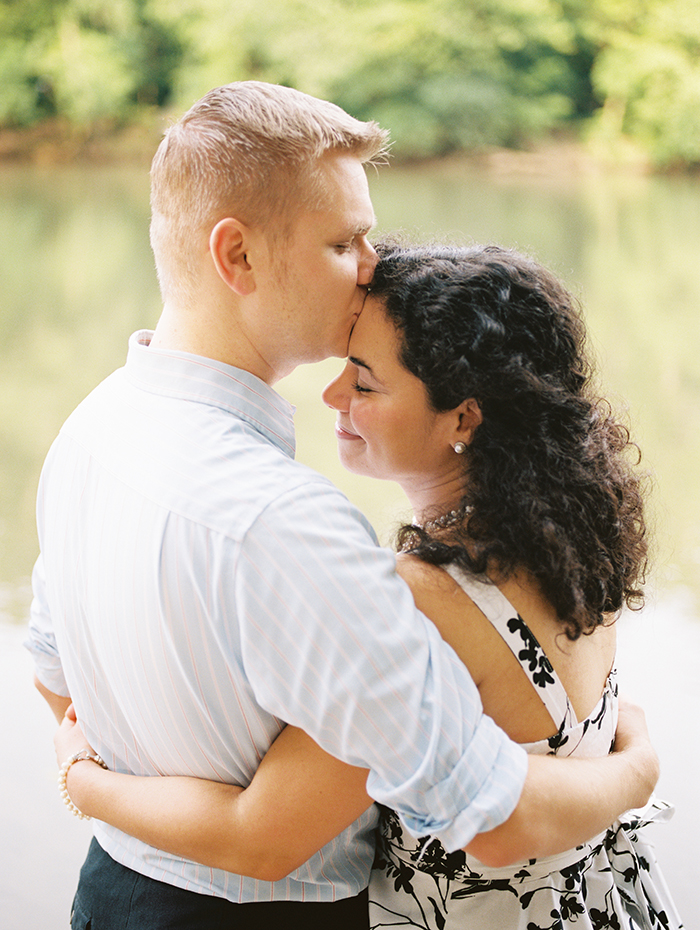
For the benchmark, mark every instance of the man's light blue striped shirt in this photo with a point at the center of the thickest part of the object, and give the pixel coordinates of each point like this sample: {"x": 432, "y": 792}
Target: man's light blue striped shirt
{"x": 197, "y": 586}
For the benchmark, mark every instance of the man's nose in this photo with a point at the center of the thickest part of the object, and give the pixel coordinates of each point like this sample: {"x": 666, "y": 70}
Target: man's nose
{"x": 367, "y": 264}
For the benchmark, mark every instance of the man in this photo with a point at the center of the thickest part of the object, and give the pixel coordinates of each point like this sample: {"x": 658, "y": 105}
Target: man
{"x": 196, "y": 586}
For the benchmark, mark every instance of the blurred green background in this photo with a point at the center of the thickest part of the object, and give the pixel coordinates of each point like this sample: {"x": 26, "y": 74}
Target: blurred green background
{"x": 566, "y": 128}
{"x": 442, "y": 75}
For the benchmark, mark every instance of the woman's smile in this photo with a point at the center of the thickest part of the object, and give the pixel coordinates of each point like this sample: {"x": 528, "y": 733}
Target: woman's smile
{"x": 342, "y": 433}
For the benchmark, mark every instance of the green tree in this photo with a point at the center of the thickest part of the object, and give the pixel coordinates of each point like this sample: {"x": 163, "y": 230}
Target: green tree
{"x": 25, "y": 28}
{"x": 442, "y": 75}
{"x": 647, "y": 75}
{"x": 84, "y": 60}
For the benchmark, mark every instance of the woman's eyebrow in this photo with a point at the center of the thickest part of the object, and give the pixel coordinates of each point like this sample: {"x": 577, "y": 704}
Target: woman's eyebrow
{"x": 361, "y": 364}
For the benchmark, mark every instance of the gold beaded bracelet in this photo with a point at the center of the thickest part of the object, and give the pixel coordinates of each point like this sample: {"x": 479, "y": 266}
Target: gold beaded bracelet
{"x": 82, "y": 756}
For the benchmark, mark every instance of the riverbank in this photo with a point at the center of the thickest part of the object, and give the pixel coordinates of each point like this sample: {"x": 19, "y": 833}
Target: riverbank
{"x": 56, "y": 142}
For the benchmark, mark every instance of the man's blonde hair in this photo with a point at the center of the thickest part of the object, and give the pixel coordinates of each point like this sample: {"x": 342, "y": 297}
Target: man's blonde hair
{"x": 248, "y": 150}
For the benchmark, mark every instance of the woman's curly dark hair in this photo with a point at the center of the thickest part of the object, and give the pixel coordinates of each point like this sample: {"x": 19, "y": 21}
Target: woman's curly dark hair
{"x": 549, "y": 482}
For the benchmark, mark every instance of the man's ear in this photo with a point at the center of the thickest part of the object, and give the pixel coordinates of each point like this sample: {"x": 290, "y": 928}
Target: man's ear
{"x": 229, "y": 244}
{"x": 469, "y": 418}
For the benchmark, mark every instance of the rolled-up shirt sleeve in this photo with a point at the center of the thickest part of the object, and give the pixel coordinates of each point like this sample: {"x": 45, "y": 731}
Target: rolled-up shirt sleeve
{"x": 41, "y": 640}
{"x": 332, "y": 642}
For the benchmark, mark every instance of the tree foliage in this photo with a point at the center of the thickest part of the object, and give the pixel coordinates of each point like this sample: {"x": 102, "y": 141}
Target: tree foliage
{"x": 442, "y": 75}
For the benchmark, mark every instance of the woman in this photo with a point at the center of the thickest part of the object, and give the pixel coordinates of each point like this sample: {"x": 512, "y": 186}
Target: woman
{"x": 466, "y": 383}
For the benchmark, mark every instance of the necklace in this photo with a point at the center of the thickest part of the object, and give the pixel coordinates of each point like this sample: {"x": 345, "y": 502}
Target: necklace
{"x": 447, "y": 519}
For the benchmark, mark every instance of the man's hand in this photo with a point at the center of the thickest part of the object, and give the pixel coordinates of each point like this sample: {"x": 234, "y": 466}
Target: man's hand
{"x": 566, "y": 802}
{"x": 632, "y": 739}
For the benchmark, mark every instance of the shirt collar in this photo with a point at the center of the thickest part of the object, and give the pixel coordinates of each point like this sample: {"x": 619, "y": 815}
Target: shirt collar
{"x": 205, "y": 380}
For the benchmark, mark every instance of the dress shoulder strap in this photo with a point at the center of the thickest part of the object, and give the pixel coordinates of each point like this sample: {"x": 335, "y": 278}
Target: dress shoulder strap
{"x": 521, "y": 641}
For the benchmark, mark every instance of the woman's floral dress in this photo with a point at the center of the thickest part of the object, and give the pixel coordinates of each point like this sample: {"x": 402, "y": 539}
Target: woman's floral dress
{"x": 611, "y": 882}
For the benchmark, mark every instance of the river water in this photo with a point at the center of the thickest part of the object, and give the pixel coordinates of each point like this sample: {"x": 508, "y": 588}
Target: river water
{"x": 76, "y": 279}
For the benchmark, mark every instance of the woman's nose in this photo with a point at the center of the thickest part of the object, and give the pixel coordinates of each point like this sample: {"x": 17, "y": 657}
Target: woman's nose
{"x": 335, "y": 394}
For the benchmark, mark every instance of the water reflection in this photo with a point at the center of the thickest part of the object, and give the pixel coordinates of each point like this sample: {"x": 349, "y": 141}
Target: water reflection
{"x": 78, "y": 277}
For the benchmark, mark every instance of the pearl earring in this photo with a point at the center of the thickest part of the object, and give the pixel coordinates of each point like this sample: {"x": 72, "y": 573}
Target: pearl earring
{"x": 460, "y": 448}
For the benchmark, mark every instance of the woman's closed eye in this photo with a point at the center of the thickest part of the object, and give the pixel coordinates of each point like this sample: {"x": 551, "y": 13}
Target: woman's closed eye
{"x": 360, "y": 388}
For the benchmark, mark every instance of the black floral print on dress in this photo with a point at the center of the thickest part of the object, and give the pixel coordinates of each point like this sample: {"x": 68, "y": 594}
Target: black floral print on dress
{"x": 539, "y": 665}
{"x": 611, "y": 883}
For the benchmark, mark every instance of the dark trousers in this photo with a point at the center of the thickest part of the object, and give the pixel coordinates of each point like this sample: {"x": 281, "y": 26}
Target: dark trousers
{"x": 112, "y": 897}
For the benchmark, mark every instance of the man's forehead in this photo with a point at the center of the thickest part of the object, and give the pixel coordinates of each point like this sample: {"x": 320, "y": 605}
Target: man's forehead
{"x": 345, "y": 181}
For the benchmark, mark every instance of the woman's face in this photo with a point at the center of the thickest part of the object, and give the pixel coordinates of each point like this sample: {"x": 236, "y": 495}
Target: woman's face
{"x": 385, "y": 426}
